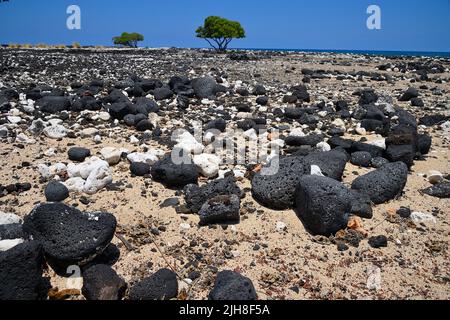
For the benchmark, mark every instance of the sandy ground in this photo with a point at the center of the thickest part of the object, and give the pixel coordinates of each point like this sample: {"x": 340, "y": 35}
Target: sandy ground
{"x": 289, "y": 264}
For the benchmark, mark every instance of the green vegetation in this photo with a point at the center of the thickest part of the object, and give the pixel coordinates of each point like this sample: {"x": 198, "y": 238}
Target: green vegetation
{"x": 220, "y": 31}
{"x": 128, "y": 39}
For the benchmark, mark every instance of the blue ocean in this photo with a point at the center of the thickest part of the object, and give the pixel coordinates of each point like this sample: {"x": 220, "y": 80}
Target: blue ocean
{"x": 365, "y": 52}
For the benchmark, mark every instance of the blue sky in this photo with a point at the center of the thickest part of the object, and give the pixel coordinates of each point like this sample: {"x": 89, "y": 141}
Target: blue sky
{"x": 413, "y": 25}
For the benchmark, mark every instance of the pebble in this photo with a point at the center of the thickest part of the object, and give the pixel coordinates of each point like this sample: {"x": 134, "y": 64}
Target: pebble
{"x": 435, "y": 177}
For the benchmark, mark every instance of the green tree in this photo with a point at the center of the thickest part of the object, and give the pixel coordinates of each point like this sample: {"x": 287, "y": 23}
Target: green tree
{"x": 220, "y": 31}
{"x": 128, "y": 39}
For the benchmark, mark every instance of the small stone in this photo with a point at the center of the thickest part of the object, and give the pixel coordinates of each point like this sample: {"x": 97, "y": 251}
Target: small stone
{"x": 378, "y": 242}
{"x": 78, "y": 154}
{"x": 404, "y": 212}
{"x": 230, "y": 285}
{"x": 56, "y": 192}
{"x": 435, "y": 177}
{"x": 101, "y": 282}
{"x": 162, "y": 285}
{"x": 221, "y": 209}
{"x": 140, "y": 169}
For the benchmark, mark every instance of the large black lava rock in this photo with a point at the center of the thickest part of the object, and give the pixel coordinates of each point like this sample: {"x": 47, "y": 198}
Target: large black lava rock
{"x": 404, "y": 153}
{"x": 78, "y": 154}
{"x": 331, "y": 163}
{"x": 383, "y": 184}
{"x": 162, "y": 285}
{"x": 69, "y": 236}
{"x": 53, "y": 104}
{"x": 21, "y": 270}
{"x": 275, "y": 187}
{"x": 221, "y": 209}
{"x": 230, "y": 285}
{"x": 196, "y": 196}
{"x": 56, "y": 191}
{"x": 323, "y": 204}
{"x": 101, "y": 282}
{"x": 174, "y": 175}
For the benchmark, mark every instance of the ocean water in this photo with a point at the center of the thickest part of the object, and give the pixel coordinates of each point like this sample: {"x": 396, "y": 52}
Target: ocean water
{"x": 365, "y": 52}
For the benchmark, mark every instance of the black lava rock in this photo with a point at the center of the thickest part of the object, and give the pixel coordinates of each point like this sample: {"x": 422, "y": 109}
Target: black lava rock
{"x": 119, "y": 110}
{"x": 174, "y": 175}
{"x": 162, "y": 285}
{"x": 139, "y": 169}
{"x": 144, "y": 125}
{"x": 441, "y": 190}
{"x": 337, "y": 141}
{"x": 259, "y": 90}
{"x": 162, "y": 93}
{"x": 262, "y": 101}
{"x": 311, "y": 140}
{"x": 11, "y": 231}
{"x": 432, "y": 120}
{"x": 101, "y": 282}
{"x": 274, "y": 186}
{"x": 375, "y": 151}
{"x": 409, "y": 94}
{"x": 205, "y": 87}
{"x": 69, "y": 236}
{"x": 323, "y": 204}
{"x": 403, "y": 153}
{"x": 130, "y": 120}
{"x": 378, "y": 162}
{"x": 21, "y": 273}
{"x": 417, "y": 102}
{"x": 230, "y": 285}
{"x": 424, "y": 143}
{"x": 383, "y": 184}
{"x": 196, "y": 196}
{"x": 56, "y": 191}
{"x": 78, "y": 154}
{"x": 361, "y": 158}
{"x": 368, "y": 96}
{"x": 217, "y": 124}
{"x": 53, "y": 104}
{"x": 378, "y": 242}
{"x": 223, "y": 209}
{"x": 331, "y": 163}
{"x": 404, "y": 212}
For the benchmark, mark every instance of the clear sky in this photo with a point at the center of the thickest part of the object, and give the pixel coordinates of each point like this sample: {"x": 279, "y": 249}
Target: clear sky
{"x": 407, "y": 25}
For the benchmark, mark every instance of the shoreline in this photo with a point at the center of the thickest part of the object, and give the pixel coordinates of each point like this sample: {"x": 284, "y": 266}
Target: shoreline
{"x": 371, "y": 53}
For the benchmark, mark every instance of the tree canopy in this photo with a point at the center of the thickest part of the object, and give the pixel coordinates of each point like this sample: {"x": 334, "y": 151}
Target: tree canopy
{"x": 220, "y": 31}
{"x": 128, "y": 39}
